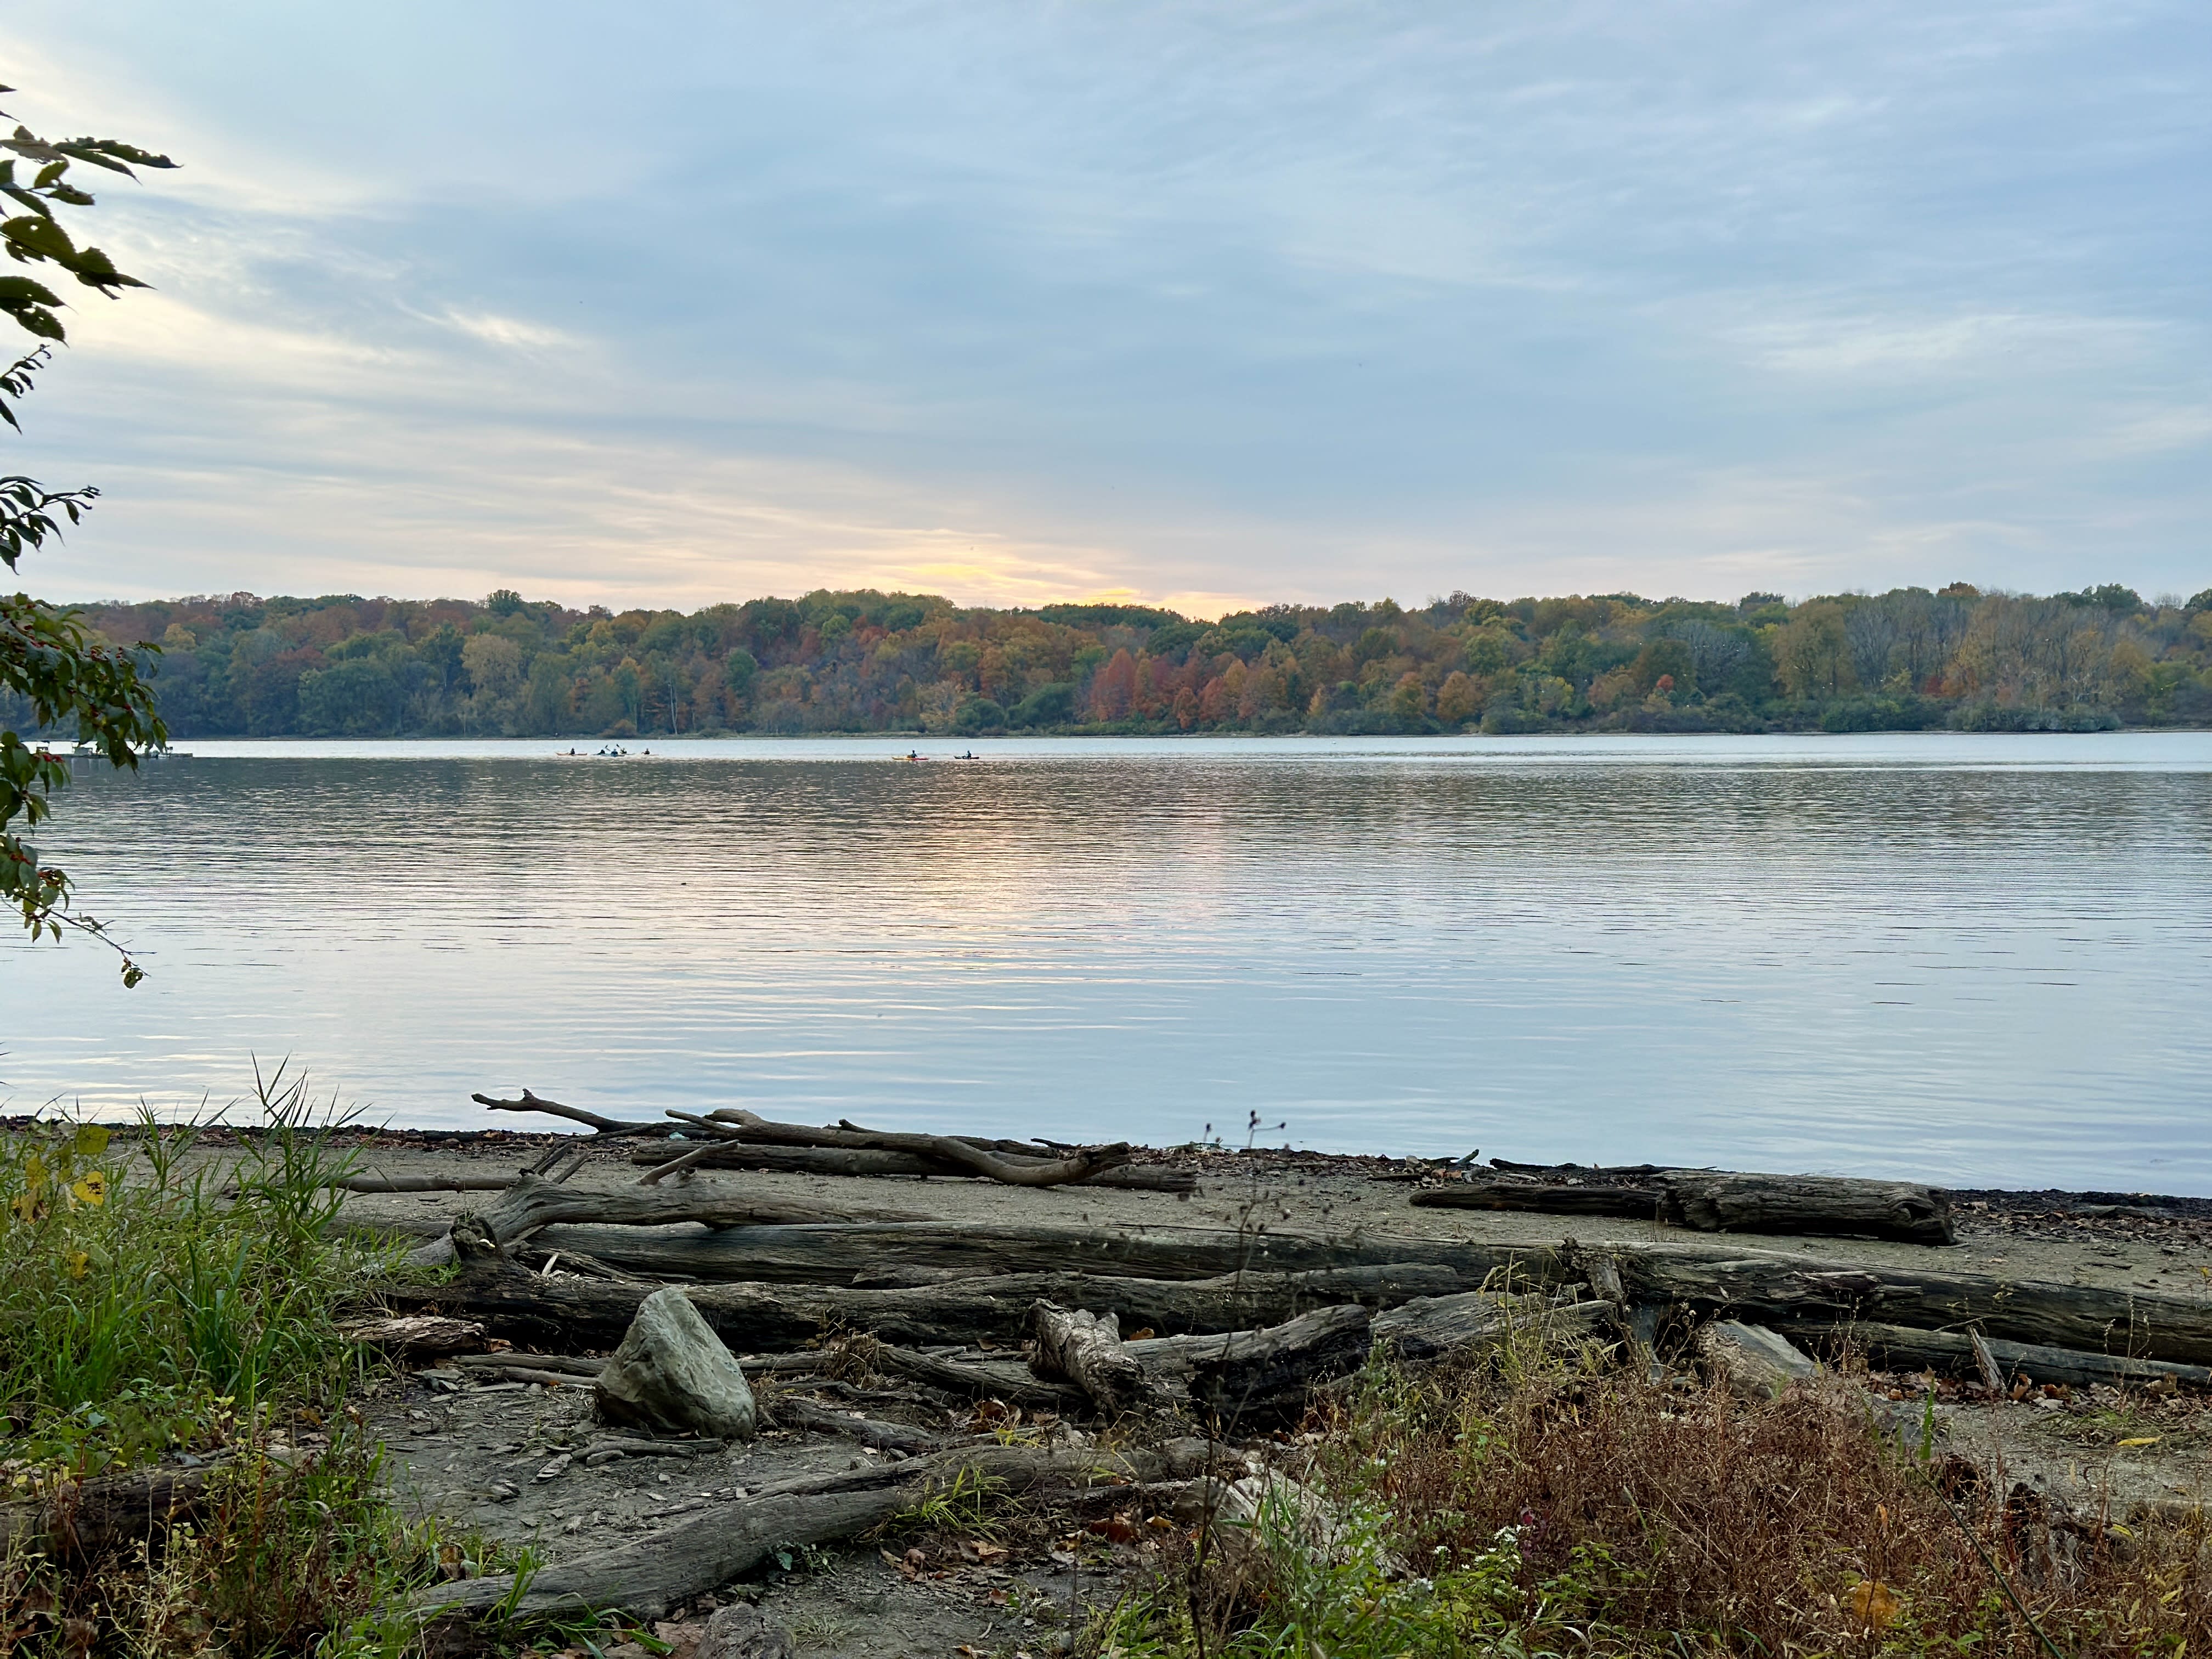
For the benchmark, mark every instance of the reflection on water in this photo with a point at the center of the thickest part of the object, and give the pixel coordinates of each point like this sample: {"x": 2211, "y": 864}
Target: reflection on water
{"x": 1985, "y": 959}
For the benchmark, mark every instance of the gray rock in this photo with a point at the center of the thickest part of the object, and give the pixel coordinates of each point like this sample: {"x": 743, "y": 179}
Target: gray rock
{"x": 742, "y": 1631}
{"x": 1759, "y": 1363}
{"x": 671, "y": 1375}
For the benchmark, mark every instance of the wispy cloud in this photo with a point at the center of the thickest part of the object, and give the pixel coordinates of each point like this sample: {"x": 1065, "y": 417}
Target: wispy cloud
{"x": 1209, "y": 305}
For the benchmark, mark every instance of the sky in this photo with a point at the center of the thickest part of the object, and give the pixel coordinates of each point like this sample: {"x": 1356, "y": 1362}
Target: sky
{"x": 1202, "y": 304}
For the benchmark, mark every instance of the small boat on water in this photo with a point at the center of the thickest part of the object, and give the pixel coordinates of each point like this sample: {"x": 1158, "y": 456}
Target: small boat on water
{"x": 93, "y": 751}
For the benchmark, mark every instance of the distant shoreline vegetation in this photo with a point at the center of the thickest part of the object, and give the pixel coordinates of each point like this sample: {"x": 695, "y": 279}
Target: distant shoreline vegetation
{"x": 1909, "y": 660}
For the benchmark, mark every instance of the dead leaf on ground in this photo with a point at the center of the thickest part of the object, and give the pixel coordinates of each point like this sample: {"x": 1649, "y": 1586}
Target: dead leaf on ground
{"x": 1875, "y": 1604}
{"x": 1116, "y": 1529}
{"x": 981, "y": 1553}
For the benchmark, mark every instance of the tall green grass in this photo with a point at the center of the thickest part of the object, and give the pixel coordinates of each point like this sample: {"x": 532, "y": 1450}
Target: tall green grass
{"x": 151, "y": 1295}
{"x": 162, "y": 1293}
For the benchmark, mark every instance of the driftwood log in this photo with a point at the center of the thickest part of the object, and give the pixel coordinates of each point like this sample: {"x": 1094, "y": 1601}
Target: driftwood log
{"x": 834, "y": 1161}
{"x": 802, "y": 1413}
{"x": 955, "y": 1152}
{"x": 1017, "y": 1163}
{"x": 381, "y": 1183}
{"x": 532, "y": 1203}
{"x": 769, "y": 1317}
{"x": 1317, "y": 1349}
{"x": 1781, "y": 1290}
{"x": 910, "y": 1252}
{"x": 87, "y": 1520}
{"x": 1712, "y": 1200}
{"x": 605, "y": 1125}
{"x": 1959, "y": 1353}
{"x": 976, "y": 1378}
{"x": 1085, "y": 1349}
{"x": 651, "y": 1577}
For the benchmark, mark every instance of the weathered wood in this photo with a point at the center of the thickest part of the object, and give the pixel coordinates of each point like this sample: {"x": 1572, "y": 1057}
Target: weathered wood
{"x": 605, "y": 1125}
{"x": 766, "y": 1317}
{"x": 1780, "y": 1290}
{"x": 653, "y": 1576}
{"x": 951, "y": 1151}
{"x": 1542, "y": 1198}
{"x": 376, "y": 1184}
{"x": 1271, "y": 1370}
{"x": 1419, "y": 1330}
{"x": 571, "y": 1364}
{"x": 803, "y": 1413}
{"x": 1431, "y": 1327}
{"x": 87, "y": 1520}
{"x": 1961, "y": 1353}
{"x": 1085, "y": 1349}
{"x": 1007, "y": 1380}
{"x": 832, "y": 1161}
{"x": 416, "y": 1334}
{"x": 1715, "y": 1202}
{"x": 836, "y": 1254}
{"x": 532, "y": 1203}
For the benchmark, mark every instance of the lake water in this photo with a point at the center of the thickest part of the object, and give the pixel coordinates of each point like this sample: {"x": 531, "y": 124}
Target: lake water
{"x": 1981, "y": 959}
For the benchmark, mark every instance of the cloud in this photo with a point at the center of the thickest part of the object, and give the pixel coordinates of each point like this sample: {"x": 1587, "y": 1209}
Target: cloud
{"x": 1215, "y": 305}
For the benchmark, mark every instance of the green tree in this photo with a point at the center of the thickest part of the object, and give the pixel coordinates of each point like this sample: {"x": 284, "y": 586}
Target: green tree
{"x": 48, "y": 656}
{"x": 1812, "y": 651}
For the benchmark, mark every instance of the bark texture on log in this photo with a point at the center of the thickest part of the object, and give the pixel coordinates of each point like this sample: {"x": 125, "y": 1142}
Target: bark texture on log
{"x": 532, "y": 1203}
{"x": 1899, "y": 1348}
{"x": 1085, "y": 1349}
{"x": 1269, "y": 1371}
{"x": 652, "y": 1576}
{"x": 825, "y": 1160}
{"x": 1778, "y": 1290}
{"x": 417, "y": 1333}
{"x": 1717, "y": 1201}
{"x": 87, "y": 1520}
{"x": 763, "y": 1317}
{"x": 836, "y": 1254}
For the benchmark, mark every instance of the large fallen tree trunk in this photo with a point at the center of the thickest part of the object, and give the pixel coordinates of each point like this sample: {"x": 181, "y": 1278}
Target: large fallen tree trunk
{"x": 532, "y": 1203}
{"x": 1782, "y": 1289}
{"x": 761, "y": 1317}
{"x": 835, "y": 1161}
{"x": 838, "y": 1254}
{"x": 1899, "y": 1348}
{"x": 652, "y": 1576}
{"x": 1713, "y": 1200}
{"x": 87, "y": 1520}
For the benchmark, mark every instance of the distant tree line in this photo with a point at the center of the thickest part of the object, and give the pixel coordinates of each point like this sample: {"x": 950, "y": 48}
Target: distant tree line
{"x": 342, "y": 665}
